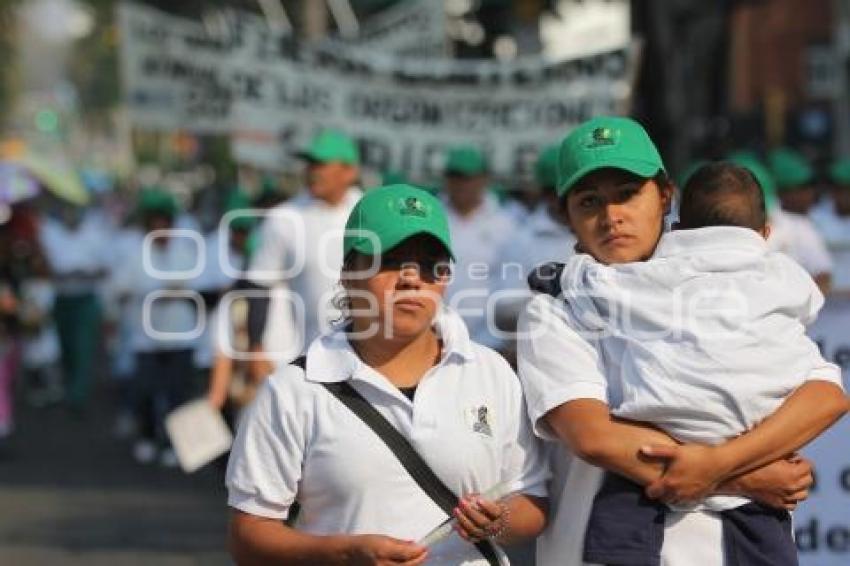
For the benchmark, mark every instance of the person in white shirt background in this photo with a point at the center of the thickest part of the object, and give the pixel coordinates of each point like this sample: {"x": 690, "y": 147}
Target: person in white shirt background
{"x": 167, "y": 315}
{"x": 298, "y": 247}
{"x": 225, "y": 330}
{"x": 617, "y": 196}
{"x": 832, "y": 220}
{"x": 411, "y": 358}
{"x": 76, "y": 251}
{"x": 480, "y": 228}
{"x": 792, "y": 230}
{"x": 545, "y": 236}
{"x": 226, "y": 255}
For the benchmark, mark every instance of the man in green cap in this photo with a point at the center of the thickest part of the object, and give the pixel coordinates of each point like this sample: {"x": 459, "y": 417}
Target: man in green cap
{"x": 793, "y": 176}
{"x": 832, "y": 219}
{"x": 157, "y": 279}
{"x": 480, "y": 228}
{"x": 76, "y": 251}
{"x": 793, "y": 232}
{"x": 296, "y": 249}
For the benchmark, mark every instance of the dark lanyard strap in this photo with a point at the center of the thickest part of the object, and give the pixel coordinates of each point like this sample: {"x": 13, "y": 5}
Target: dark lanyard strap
{"x": 418, "y": 469}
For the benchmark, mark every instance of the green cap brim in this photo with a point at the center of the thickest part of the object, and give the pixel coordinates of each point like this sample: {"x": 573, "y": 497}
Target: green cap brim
{"x": 642, "y": 169}
{"x": 391, "y": 240}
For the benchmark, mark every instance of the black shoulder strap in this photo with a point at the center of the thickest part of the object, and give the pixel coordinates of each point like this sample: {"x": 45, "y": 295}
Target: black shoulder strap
{"x": 406, "y": 454}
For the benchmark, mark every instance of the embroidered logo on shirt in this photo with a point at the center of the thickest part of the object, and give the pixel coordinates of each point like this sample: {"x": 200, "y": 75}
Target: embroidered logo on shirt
{"x": 481, "y": 420}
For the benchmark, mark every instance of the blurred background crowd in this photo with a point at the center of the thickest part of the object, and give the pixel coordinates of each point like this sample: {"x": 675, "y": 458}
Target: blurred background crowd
{"x": 84, "y": 177}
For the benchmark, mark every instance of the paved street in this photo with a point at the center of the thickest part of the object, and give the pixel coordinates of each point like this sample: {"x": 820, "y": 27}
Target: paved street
{"x": 70, "y": 494}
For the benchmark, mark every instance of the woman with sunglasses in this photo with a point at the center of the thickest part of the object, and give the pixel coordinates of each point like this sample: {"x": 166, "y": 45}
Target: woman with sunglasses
{"x": 457, "y": 403}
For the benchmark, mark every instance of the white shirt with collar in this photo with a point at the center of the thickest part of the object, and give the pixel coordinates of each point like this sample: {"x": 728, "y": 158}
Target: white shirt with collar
{"x": 301, "y": 244}
{"x": 795, "y": 235}
{"x": 477, "y": 240}
{"x": 298, "y": 441}
{"x": 84, "y": 248}
{"x": 172, "y": 320}
{"x": 558, "y": 364}
{"x": 835, "y": 230}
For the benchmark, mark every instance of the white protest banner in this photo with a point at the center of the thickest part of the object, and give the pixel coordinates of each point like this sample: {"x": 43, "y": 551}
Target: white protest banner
{"x": 415, "y": 28}
{"x": 581, "y": 27}
{"x": 822, "y": 523}
{"x": 403, "y": 111}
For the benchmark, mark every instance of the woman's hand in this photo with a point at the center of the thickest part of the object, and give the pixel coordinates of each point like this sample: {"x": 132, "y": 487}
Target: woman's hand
{"x": 692, "y": 472}
{"x": 478, "y": 518}
{"x": 378, "y": 550}
{"x": 782, "y": 484}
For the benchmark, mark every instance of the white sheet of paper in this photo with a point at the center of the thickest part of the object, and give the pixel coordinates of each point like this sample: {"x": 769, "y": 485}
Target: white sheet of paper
{"x": 198, "y": 434}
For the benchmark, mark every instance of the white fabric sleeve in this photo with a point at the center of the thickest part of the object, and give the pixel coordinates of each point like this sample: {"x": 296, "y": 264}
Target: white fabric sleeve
{"x": 812, "y": 252}
{"x": 267, "y": 455}
{"x": 797, "y": 283}
{"x": 525, "y": 466}
{"x": 556, "y": 364}
{"x": 268, "y": 260}
{"x": 823, "y": 370}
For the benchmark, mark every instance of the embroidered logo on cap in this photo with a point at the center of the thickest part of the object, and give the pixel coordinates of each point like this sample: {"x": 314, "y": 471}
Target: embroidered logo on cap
{"x": 412, "y": 206}
{"x": 601, "y": 137}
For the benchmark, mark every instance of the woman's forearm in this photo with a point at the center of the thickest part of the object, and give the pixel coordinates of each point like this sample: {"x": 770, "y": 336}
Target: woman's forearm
{"x": 527, "y": 519}
{"x": 260, "y": 541}
{"x": 588, "y": 429}
{"x": 804, "y": 415}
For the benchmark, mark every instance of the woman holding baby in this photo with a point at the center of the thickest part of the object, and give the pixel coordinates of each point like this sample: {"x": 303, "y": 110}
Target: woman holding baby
{"x": 617, "y": 194}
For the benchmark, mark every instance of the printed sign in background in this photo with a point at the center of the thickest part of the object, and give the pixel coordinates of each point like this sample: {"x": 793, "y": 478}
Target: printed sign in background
{"x": 822, "y": 524}
{"x": 403, "y": 110}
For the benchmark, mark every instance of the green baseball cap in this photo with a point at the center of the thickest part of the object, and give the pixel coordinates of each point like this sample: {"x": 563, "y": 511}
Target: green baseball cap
{"x": 602, "y": 142}
{"x": 393, "y": 177}
{"x": 330, "y": 146}
{"x": 237, "y": 201}
{"x": 465, "y": 160}
{"x": 154, "y": 200}
{"x": 753, "y": 164}
{"x": 386, "y": 216}
{"x": 790, "y": 169}
{"x": 546, "y": 167}
{"x": 839, "y": 172}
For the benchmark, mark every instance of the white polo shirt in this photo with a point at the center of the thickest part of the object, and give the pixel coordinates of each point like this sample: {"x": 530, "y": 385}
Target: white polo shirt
{"x": 298, "y": 441}
{"x": 795, "y": 235}
{"x": 163, "y": 316}
{"x": 84, "y": 248}
{"x": 476, "y": 241}
{"x": 301, "y": 244}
